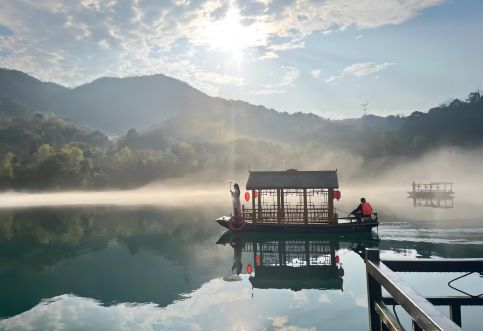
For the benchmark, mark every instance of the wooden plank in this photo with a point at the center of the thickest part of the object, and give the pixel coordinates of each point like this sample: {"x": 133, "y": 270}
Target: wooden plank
{"x": 330, "y": 202}
{"x": 282, "y": 205}
{"x": 254, "y": 215}
{"x": 260, "y": 216}
{"x": 278, "y": 206}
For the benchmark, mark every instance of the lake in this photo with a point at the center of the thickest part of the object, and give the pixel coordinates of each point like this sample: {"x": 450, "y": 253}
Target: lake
{"x": 174, "y": 268}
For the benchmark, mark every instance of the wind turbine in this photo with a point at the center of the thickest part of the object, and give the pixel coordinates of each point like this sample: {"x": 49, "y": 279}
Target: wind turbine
{"x": 364, "y": 107}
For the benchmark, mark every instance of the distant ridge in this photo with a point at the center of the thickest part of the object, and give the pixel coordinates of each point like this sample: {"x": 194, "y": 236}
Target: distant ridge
{"x": 114, "y": 104}
{"x": 176, "y": 110}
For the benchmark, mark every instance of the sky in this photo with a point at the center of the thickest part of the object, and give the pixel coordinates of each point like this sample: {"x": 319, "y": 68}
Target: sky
{"x": 325, "y": 57}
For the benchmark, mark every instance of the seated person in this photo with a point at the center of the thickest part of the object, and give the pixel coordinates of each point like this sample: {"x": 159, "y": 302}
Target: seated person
{"x": 363, "y": 210}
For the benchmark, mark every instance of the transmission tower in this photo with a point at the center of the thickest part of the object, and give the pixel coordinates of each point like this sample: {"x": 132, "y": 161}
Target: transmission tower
{"x": 364, "y": 108}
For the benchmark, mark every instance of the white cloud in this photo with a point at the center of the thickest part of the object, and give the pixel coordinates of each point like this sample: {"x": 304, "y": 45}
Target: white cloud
{"x": 364, "y": 69}
{"x": 279, "y": 323}
{"x": 98, "y": 38}
{"x": 324, "y": 298}
{"x": 288, "y": 79}
{"x": 315, "y": 73}
{"x": 359, "y": 70}
{"x": 300, "y": 299}
{"x": 358, "y": 37}
{"x": 103, "y": 44}
{"x": 269, "y": 56}
{"x": 69, "y": 311}
{"x": 331, "y": 79}
{"x": 290, "y": 76}
{"x": 267, "y": 91}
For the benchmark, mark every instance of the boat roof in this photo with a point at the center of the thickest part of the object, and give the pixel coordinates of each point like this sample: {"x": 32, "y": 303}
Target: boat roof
{"x": 292, "y": 179}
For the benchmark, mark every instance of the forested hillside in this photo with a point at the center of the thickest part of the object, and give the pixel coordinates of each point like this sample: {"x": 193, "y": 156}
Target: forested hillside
{"x": 42, "y": 147}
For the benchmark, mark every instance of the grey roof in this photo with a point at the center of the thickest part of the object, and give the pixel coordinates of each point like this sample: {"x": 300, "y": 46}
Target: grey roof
{"x": 292, "y": 179}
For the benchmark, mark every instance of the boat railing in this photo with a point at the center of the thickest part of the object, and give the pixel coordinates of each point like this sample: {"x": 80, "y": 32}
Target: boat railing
{"x": 270, "y": 214}
{"x": 381, "y": 274}
{"x": 444, "y": 187}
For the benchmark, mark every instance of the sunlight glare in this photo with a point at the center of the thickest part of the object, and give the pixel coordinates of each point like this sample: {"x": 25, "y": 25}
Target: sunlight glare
{"x": 230, "y": 35}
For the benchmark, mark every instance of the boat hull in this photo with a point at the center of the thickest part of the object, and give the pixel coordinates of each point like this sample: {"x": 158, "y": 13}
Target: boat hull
{"x": 369, "y": 238}
{"x": 350, "y": 227}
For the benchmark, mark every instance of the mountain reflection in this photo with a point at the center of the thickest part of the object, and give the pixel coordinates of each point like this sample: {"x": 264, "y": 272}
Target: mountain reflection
{"x": 111, "y": 255}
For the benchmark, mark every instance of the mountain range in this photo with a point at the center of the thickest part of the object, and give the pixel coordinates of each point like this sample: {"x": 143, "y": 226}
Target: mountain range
{"x": 170, "y": 108}
{"x": 53, "y": 137}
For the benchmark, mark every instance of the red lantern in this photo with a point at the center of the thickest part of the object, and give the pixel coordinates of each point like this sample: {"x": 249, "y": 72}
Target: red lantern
{"x": 337, "y": 259}
{"x": 255, "y": 194}
{"x": 258, "y": 259}
{"x": 337, "y": 195}
{"x": 247, "y": 196}
{"x": 249, "y": 269}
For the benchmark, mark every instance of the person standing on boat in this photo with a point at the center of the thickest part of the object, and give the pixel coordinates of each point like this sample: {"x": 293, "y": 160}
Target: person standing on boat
{"x": 235, "y": 199}
{"x": 363, "y": 210}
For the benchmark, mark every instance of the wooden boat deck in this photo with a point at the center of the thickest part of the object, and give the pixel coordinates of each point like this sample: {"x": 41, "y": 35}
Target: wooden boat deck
{"x": 310, "y": 227}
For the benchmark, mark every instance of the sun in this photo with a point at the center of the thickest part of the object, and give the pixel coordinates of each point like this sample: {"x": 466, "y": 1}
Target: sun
{"x": 230, "y": 35}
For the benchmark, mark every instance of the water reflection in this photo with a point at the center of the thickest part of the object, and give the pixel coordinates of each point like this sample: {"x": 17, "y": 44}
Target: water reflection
{"x": 110, "y": 255}
{"x": 433, "y": 202}
{"x": 293, "y": 261}
{"x": 161, "y": 269}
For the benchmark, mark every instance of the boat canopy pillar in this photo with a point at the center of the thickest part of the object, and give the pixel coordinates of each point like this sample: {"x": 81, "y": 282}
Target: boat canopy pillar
{"x": 306, "y": 214}
{"x": 330, "y": 205}
{"x": 254, "y": 213}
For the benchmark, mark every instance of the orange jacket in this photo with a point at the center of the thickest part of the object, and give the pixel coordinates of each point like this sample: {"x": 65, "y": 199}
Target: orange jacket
{"x": 366, "y": 209}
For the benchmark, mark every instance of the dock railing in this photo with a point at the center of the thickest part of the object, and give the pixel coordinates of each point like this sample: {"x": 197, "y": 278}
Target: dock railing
{"x": 424, "y": 314}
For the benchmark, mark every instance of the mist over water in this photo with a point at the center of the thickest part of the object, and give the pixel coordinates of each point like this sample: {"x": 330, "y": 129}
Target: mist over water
{"x": 387, "y": 191}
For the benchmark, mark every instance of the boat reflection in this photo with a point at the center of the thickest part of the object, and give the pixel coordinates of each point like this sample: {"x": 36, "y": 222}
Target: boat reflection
{"x": 432, "y": 202}
{"x": 292, "y": 262}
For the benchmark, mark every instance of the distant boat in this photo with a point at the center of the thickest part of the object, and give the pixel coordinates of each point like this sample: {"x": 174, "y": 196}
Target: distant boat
{"x": 292, "y": 201}
{"x": 434, "y": 195}
{"x": 438, "y": 190}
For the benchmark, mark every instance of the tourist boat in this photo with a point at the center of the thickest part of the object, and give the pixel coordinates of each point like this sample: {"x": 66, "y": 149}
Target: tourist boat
{"x": 439, "y": 190}
{"x": 292, "y": 201}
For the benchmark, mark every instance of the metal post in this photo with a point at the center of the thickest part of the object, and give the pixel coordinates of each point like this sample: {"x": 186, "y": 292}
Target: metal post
{"x": 374, "y": 290}
{"x": 416, "y": 327}
{"x": 455, "y": 313}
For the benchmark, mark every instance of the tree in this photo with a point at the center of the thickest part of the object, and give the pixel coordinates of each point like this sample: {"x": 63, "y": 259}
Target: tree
{"x": 74, "y": 155}
{"x": 6, "y": 170}
{"x": 474, "y": 97}
{"x": 125, "y": 156}
{"x": 45, "y": 151}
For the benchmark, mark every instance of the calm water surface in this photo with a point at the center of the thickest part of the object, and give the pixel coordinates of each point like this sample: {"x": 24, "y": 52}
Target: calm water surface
{"x": 146, "y": 268}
